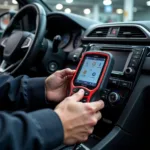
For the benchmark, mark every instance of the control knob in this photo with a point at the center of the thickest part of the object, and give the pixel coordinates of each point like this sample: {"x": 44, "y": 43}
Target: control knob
{"x": 114, "y": 97}
{"x": 129, "y": 72}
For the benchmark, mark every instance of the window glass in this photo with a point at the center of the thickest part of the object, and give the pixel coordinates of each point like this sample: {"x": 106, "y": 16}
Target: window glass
{"x": 104, "y": 10}
{"x": 5, "y": 6}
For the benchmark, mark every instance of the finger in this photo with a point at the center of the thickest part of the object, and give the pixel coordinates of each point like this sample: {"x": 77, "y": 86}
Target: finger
{"x": 69, "y": 77}
{"x": 67, "y": 80}
{"x": 98, "y": 115}
{"x": 89, "y": 129}
{"x": 98, "y": 105}
{"x": 65, "y": 72}
{"x": 83, "y": 137}
{"x": 78, "y": 96}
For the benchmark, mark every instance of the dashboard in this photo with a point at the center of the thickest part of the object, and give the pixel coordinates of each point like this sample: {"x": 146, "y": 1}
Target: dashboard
{"x": 70, "y": 28}
{"x": 70, "y": 40}
{"x": 125, "y": 123}
{"x": 71, "y": 31}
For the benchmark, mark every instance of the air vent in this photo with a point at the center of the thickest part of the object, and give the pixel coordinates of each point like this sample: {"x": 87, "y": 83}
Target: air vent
{"x": 132, "y": 32}
{"x": 99, "y": 32}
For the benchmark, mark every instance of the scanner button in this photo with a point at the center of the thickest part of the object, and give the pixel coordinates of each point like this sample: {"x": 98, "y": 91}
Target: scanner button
{"x": 84, "y": 100}
{"x": 75, "y": 90}
{"x": 103, "y": 97}
{"x": 86, "y": 93}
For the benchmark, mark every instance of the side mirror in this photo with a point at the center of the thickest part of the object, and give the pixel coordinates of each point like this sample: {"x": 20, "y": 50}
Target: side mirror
{"x": 5, "y": 20}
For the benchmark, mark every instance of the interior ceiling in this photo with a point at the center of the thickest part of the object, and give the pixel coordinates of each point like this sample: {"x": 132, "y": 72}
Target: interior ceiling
{"x": 79, "y": 5}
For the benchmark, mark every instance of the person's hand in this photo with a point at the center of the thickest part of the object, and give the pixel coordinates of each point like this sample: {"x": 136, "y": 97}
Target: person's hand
{"x": 78, "y": 118}
{"x": 56, "y": 85}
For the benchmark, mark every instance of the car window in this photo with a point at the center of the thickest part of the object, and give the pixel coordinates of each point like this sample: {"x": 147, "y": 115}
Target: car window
{"x": 104, "y": 10}
{"x": 7, "y": 5}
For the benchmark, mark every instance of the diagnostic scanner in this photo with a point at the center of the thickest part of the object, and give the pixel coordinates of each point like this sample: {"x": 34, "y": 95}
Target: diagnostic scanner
{"x": 92, "y": 74}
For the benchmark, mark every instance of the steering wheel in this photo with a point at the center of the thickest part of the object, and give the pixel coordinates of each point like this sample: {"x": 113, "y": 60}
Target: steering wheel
{"x": 21, "y": 47}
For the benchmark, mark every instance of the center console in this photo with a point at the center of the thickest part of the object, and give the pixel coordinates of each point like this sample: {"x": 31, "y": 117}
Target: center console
{"x": 126, "y": 71}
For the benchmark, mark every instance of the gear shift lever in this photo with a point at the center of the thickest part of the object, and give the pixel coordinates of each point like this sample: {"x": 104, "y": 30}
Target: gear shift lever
{"x": 56, "y": 42}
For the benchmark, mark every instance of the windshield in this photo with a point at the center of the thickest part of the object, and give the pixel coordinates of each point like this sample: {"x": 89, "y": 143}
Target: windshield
{"x": 104, "y": 10}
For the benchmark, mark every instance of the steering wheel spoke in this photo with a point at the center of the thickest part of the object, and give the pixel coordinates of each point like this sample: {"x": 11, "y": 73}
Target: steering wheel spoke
{"x": 4, "y": 41}
{"x": 27, "y": 43}
{"x": 4, "y": 67}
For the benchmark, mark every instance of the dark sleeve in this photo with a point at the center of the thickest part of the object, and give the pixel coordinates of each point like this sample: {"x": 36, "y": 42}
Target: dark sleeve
{"x": 39, "y": 130}
{"x": 21, "y": 92}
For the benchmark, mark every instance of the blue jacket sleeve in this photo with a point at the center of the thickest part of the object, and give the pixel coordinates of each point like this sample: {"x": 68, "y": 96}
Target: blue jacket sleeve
{"x": 39, "y": 130}
{"x": 22, "y": 92}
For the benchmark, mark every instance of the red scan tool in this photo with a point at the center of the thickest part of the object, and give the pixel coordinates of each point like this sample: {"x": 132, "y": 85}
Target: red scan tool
{"x": 92, "y": 74}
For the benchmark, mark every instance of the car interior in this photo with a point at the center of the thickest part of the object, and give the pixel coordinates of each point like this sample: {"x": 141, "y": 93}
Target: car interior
{"x": 38, "y": 41}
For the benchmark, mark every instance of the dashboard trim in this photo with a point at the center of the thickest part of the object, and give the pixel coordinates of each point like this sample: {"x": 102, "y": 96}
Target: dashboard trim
{"x": 146, "y": 32}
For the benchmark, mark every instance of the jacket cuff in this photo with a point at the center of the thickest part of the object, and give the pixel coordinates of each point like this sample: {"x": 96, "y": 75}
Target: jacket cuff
{"x": 35, "y": 93}
{"x": 49, "y": 126}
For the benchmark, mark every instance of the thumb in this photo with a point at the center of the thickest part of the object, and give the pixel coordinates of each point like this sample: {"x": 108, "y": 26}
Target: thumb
{"x": 78, "y": 96}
